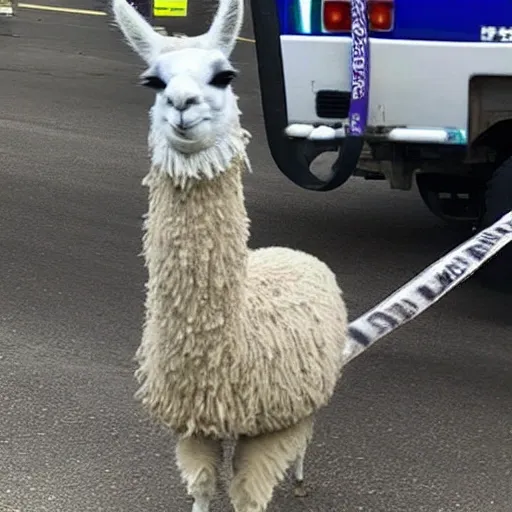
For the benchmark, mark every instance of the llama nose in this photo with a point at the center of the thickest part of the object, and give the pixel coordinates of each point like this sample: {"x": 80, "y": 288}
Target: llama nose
{"x": 183, "y": 104}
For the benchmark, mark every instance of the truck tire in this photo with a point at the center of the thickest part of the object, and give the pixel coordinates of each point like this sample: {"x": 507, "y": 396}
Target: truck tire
{"x": 497, "y": 272}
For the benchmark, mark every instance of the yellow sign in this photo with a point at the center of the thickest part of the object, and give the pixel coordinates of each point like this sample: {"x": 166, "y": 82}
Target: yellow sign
{"x": 166, "y": 8}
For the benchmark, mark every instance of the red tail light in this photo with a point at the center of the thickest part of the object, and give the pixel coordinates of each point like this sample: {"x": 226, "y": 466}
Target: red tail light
{"x": 336, "y": 15}
{"x": 381, "y": 15}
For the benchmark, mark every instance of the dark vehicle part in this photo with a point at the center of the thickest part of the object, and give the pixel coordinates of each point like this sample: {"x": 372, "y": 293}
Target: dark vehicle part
{"x": 457, "y": 200}
{"x": 497, "y": 272}
{"x": 293, "y": 156}
{"x": 490, "y": 115}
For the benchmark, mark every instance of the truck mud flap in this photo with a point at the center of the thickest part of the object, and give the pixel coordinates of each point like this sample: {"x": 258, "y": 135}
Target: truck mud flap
{"x": 292, "y": 156}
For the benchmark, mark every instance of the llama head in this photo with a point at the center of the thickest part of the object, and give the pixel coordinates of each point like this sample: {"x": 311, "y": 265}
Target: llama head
{"x": 195, "y": 108}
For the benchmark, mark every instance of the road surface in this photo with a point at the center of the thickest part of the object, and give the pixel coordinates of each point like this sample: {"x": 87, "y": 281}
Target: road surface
{"x": 420, "y": 423}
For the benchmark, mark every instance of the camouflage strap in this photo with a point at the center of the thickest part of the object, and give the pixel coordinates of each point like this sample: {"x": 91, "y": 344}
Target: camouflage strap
{"x": 428, "y": 287}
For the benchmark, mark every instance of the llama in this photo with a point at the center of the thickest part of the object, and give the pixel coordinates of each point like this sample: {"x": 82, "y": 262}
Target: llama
{"x": 238, "y": 344}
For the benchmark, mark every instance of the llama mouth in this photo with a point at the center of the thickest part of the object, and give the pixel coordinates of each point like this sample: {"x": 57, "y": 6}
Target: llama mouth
{"x": 183, "y": 129}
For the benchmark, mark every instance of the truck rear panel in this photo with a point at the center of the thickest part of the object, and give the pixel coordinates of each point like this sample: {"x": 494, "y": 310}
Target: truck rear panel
{"x": 420, "y": 69}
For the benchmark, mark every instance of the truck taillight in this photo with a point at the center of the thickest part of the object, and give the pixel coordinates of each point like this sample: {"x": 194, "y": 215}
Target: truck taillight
{"x": 336, "y": 15}
{"x": 381, "y": 15}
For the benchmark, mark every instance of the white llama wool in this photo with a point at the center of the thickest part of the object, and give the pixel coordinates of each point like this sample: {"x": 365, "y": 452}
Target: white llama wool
{"x": 237, "y": 344}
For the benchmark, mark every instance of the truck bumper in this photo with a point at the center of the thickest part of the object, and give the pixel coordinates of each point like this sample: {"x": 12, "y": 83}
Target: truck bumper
{"x": 419, "y": 90}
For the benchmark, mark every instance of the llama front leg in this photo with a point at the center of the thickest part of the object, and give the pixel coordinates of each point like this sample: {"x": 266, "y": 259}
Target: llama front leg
{"x": 198, "y": 460}
{"x": 261, "y": 462}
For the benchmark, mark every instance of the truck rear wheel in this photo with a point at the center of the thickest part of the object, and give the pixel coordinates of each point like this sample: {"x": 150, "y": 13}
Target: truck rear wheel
{"x": 497, "y": 272}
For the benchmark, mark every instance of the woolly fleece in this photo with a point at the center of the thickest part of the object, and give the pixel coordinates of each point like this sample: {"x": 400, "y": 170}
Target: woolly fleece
{"x": 236, "y": 342}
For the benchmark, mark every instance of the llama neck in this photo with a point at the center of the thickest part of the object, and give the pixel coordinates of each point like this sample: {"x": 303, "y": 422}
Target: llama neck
{"x": 195, "y": 246}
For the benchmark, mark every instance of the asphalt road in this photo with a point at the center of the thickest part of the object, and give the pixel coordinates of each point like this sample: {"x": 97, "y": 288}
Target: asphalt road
{"x": 422, "y": 422}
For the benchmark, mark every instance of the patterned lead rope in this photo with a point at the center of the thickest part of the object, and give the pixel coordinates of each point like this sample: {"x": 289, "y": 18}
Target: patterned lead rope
{"x": 428, "y": 287}
{"x": 360, "y": 69}
{"x": 350, "y": 151}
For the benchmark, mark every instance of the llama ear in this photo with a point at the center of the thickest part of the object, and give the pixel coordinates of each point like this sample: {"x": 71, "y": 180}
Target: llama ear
{"x": 141, "y": 36}
{"x": 138, "y": 32}
{"x": 226, "y": 26}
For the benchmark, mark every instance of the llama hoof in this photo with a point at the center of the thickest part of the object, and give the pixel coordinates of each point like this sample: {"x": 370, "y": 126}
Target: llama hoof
{"x": 300, "y": 491}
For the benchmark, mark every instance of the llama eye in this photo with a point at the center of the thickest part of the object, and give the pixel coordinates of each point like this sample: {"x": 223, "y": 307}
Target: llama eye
{"x": 154, "y": 82}
{"x": 223, "y": 79}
